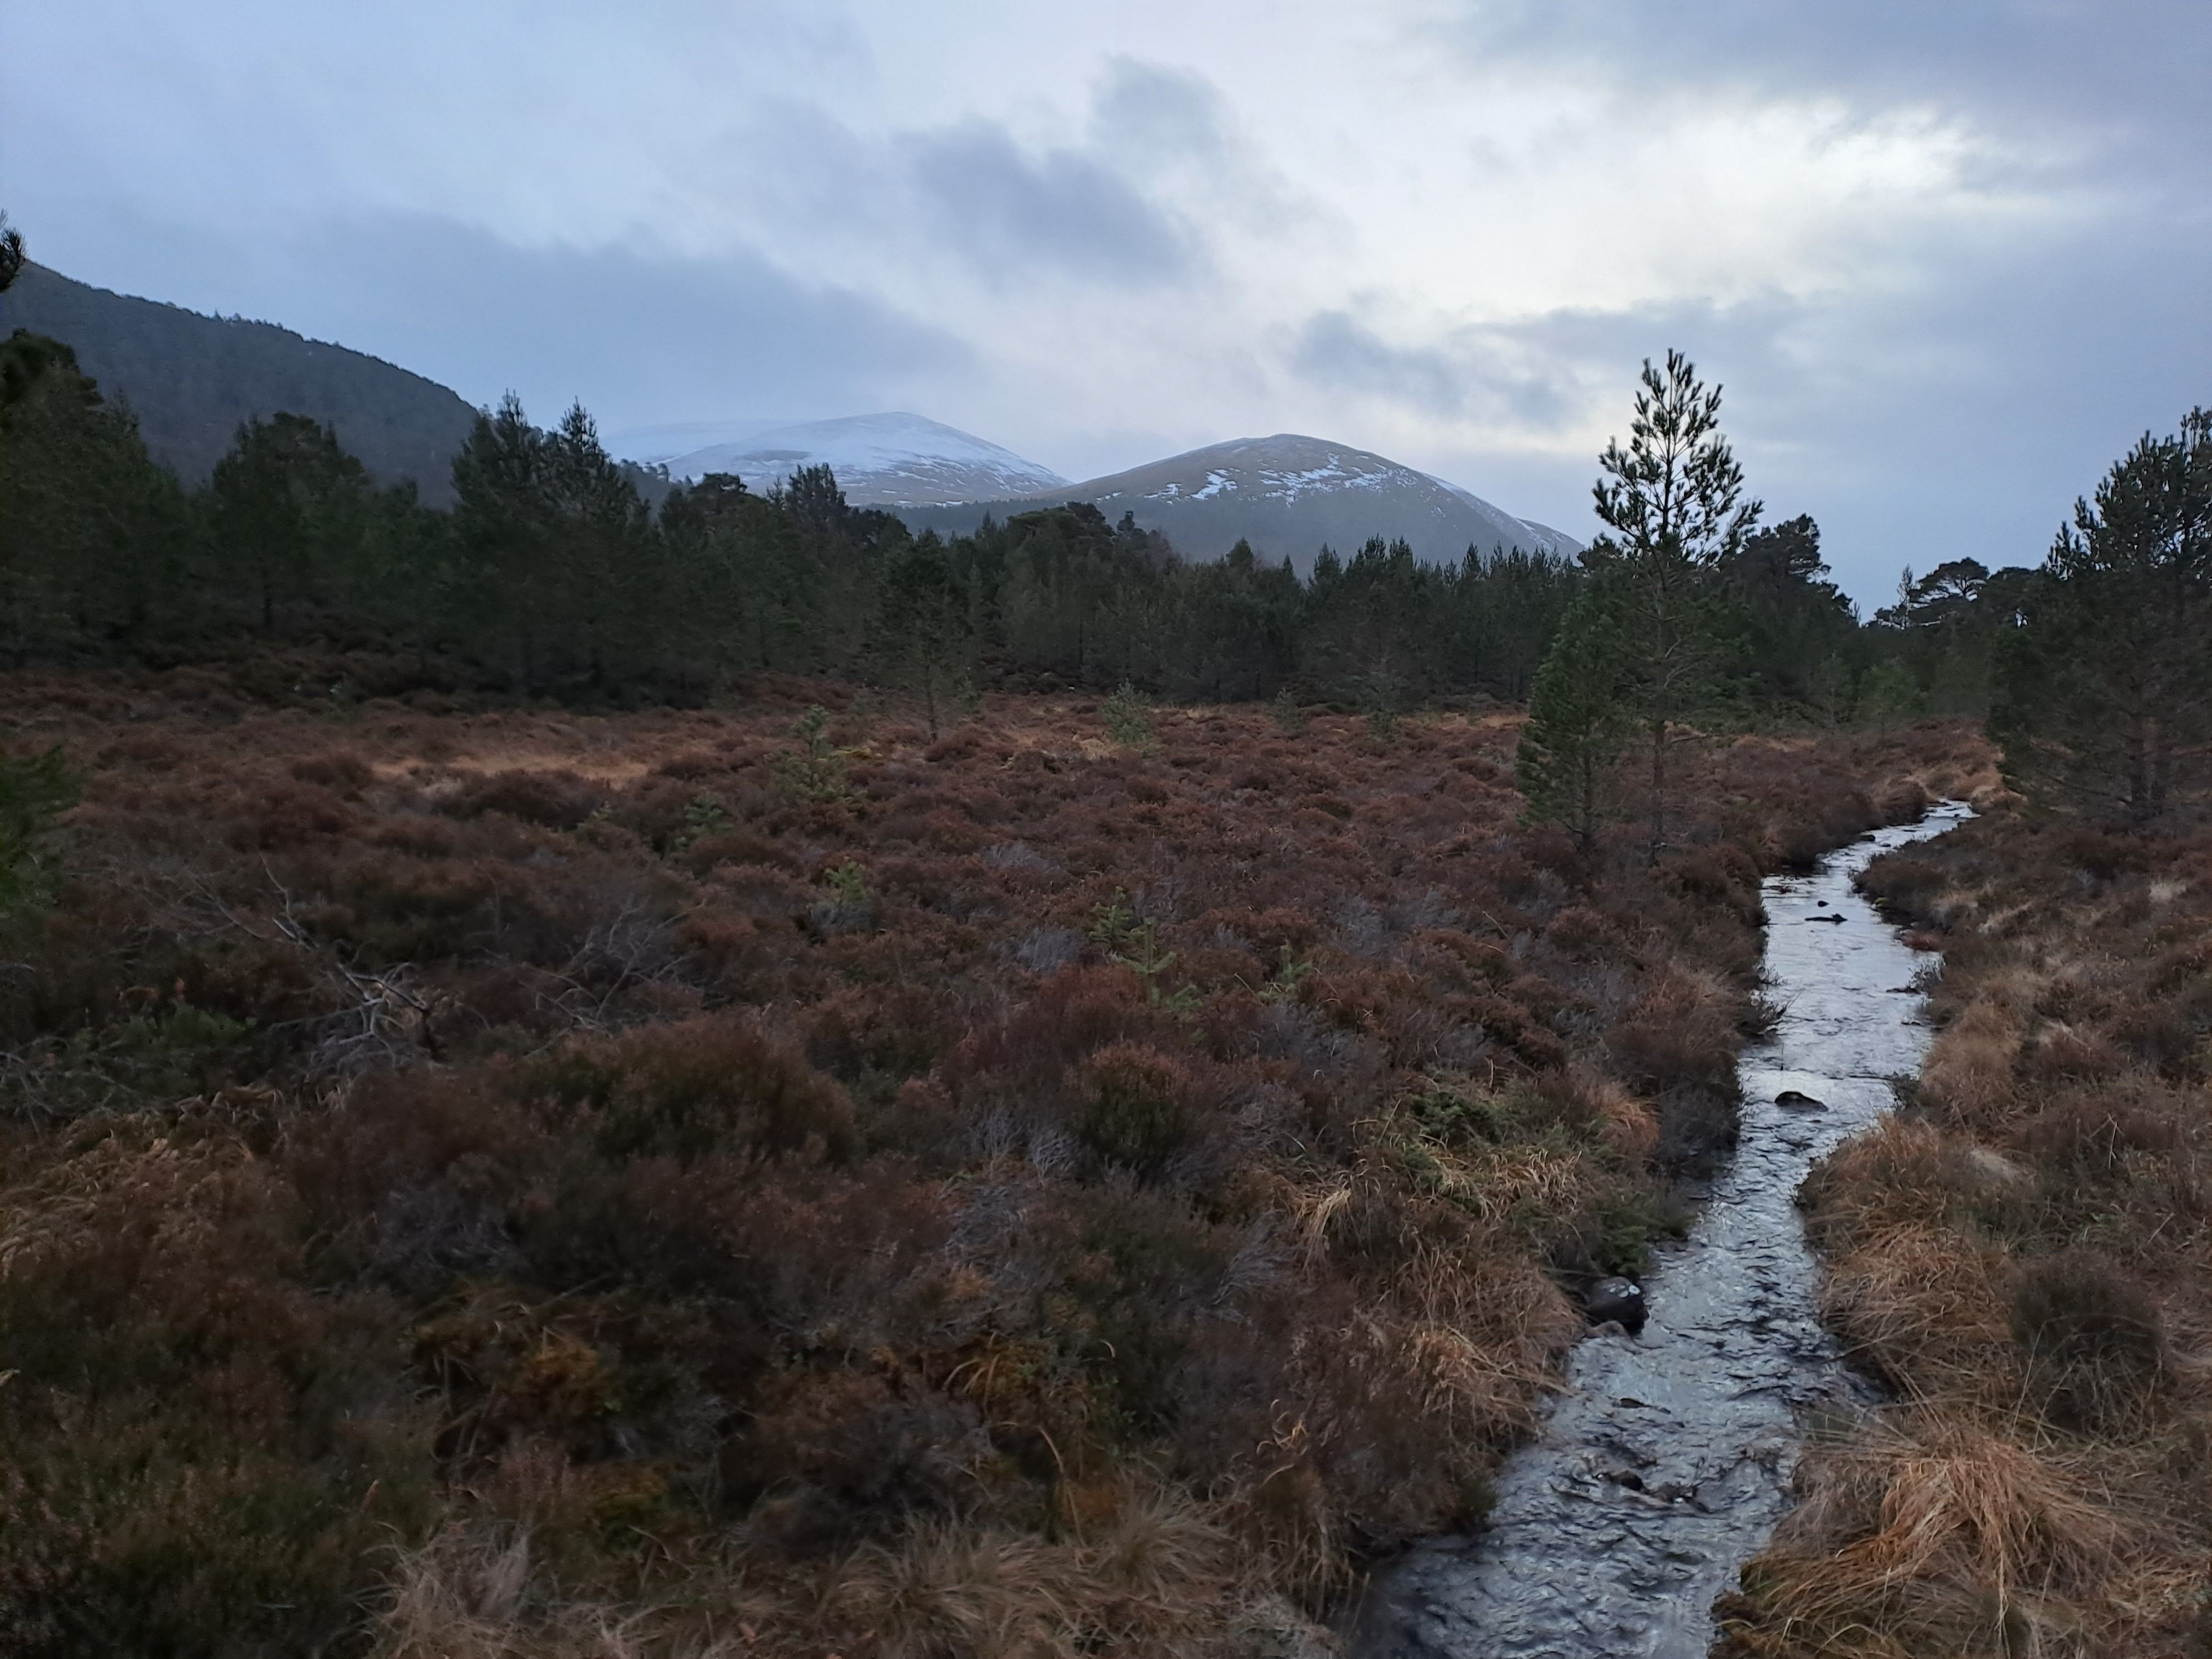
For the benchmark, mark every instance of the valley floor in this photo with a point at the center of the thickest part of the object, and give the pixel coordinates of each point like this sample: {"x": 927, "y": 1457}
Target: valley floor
{"x": 482, "y": 1181}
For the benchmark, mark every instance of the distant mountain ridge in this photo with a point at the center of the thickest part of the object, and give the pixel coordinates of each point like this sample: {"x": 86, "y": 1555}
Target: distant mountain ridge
{"x": 892, "y": 459}
{"x": 1286, "y": 495}
{"x": 191, "y": 379}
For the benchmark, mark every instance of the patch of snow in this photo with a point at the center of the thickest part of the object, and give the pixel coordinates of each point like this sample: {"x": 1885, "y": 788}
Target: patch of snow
{"x": 890, "y": 458}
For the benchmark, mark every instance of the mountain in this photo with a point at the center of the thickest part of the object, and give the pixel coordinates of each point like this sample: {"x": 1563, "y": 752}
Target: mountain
{"x": 879, "y": 459}
{"x": 1287, "y": 495}
{"x": 193, "y": 379}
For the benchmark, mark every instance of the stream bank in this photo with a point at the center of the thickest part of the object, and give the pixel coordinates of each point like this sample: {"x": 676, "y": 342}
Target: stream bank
{"x": 1665, "y": 1464}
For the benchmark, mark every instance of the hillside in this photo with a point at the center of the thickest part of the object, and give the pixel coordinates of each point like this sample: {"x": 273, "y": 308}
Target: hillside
{"x": 1286, "y": 495}
{"x": 192, "y": 380}
{"x": 879, "y": 460}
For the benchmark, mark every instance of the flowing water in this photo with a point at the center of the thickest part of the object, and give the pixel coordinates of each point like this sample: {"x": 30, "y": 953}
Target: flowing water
{"x": 1665, "y": 1463}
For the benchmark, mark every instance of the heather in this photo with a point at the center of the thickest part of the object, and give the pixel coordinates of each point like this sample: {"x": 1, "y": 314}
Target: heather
{"x": 2023, "y": 1256}
{"x": 489, "y": 1178}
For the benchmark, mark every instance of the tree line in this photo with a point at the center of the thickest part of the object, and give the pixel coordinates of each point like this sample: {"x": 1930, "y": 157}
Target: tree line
{"x": 557, "y": 573}
{"x": 2096, "y": 669}
{"x": 553, "y": 575}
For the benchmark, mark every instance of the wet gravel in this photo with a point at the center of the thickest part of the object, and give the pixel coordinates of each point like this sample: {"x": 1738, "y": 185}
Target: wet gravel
{"x": 1665, "y": 1463}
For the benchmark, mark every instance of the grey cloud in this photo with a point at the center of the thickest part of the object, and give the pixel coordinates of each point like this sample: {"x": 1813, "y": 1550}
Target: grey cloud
{"x": 2115, "y": 75}
{"x": 1063, "y": 210}
{"x": 1157, "y": 115}
{"x": 1957, "y": 419}
{"x": 1459, "y": 376}
{"x": 641, "y": 336}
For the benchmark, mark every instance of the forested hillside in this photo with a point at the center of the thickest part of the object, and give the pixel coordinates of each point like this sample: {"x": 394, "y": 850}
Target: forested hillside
{"x": 193, "y": 380}
{"x": 552, "y": 574}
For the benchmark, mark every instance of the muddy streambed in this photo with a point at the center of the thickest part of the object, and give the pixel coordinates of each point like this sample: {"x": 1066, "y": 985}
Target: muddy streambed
{"x": 1665, "y": 1464}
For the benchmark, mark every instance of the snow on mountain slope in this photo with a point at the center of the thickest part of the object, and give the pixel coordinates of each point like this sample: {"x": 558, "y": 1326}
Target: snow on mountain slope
{"x": 1288, "y": 494}
{"x": 879, "y": 459}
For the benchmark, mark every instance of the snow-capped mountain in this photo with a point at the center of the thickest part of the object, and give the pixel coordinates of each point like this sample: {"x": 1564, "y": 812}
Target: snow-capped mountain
{"x": 892, "y": 459}
{"x": 1287, "y": 495}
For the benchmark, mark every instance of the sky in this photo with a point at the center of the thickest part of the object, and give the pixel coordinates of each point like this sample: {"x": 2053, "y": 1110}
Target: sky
{"x": 1947, "y": 261}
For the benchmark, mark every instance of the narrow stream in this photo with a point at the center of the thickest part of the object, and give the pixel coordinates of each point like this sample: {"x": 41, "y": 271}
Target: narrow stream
{"x": 1666, "y": 1464}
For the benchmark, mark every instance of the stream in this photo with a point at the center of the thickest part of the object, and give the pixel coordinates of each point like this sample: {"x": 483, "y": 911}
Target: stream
{"x": 1665, "y": 1464}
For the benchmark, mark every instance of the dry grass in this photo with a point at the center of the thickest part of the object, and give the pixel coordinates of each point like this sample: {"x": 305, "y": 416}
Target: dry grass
{"x": 2025, "y": 1257}
{"x": 543, "y": 1185}
{"x": 1924, "y": 1532}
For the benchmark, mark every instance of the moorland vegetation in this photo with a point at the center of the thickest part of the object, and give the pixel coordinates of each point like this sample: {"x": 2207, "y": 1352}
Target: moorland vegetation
{"x": 488, "y": 1182}
{"x": 579, "y": 1080}
{"x": 2023, "y": 1254}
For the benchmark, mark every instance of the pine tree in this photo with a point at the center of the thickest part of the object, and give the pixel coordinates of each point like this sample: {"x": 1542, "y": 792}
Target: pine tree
{"x": 1888, "y": 693}
{"x": 919, "y": 639}
{"x": 503, "y": 525}
{"x": 1672, "y": 501}
{"x": 1578, "y": 721}
{"x": 2105, "y": 703}
{"x": 290, "y": 507}
{"x": 93, "y": 534}
{"x": 34, "y": 790}
{"x": 599, "y": 568}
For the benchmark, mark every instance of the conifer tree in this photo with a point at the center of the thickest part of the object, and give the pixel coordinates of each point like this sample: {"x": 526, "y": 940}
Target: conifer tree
{"x": 11, "y": 254}
{"x": 289, "y": 506}
{"x": 1674, "y": 503}
{"x": 502, "y": 524}
{"x": 2105, "y": 690}
{"x": 92, "y": 533}
{"x": 918, "y": 638}
{"x": 603, "y": 583}
{"x": 1578, "y": 721}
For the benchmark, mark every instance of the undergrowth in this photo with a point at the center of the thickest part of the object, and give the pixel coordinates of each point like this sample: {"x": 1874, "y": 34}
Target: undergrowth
{"x": 2024, "y": 1256}
{"x": 479, "y": 1181}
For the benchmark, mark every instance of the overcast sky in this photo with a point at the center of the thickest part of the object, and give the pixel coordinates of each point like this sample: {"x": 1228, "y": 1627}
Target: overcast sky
{"x": 1949, "y": 257}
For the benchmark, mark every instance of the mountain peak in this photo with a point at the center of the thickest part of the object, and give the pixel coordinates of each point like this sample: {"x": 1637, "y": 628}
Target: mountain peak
{"x": 1289, "y": 493}
{"x": 892, "y": 459}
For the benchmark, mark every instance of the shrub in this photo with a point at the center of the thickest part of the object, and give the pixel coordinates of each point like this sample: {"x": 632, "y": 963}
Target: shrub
{"x": 203, "y": 1452}
{"x": 2092, "y": 1340}
{"x": 34, "y": 789}
{"x": 698, "y": 1087}
{"x": 1128, "y": 720}
{"x": 814, "y": 771}
{"x": 556, "y": 801}
{"x": 338, "y": 770}
{"x": 1137, "y": 1111}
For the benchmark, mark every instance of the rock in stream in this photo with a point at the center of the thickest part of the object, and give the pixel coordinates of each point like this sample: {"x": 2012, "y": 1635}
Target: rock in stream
{"x": 1665, "y": 1464}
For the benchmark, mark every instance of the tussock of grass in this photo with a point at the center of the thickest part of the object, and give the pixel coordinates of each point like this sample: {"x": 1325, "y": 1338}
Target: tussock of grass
{"x": 481, "y": 1183}
{"x": 2027, "y": 1257}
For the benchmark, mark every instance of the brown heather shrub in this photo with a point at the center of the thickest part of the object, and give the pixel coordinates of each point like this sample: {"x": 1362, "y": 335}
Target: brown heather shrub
{"x": 1676, "y": 1045}
{"x": 556, "y": 800}
{"x": 1902, "y": 800}
{"x": 201, "y": 1451}
{"x": 2044, "y": 1306}
{"x": 276, "y": 814}
{"x": 340, "y": 771}
{"x": 701, "y": 1086}
{"x": 1137, "y": 1111}
{"x": 679, "y": 1275}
